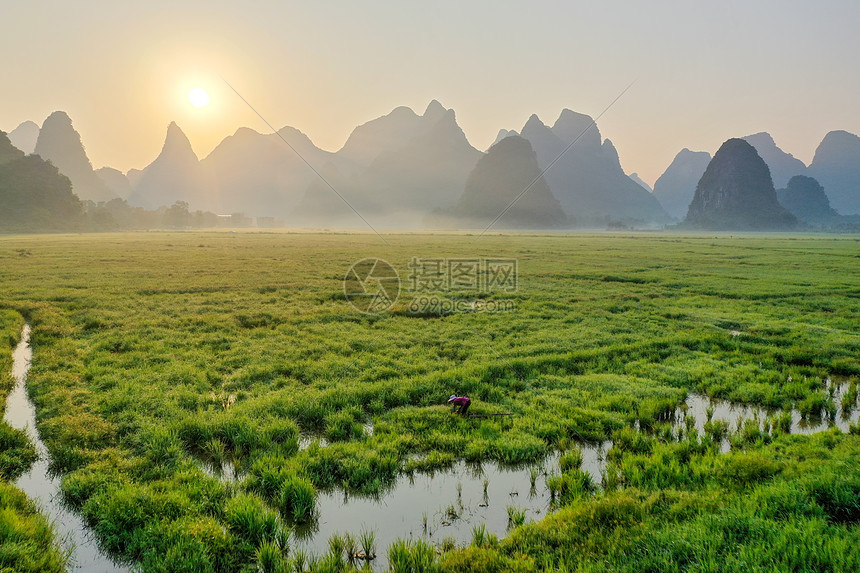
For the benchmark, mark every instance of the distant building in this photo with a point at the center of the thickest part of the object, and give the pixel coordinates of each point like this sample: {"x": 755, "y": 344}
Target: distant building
{"x": 269, "y": 222}
{"x": 240, "y": 220}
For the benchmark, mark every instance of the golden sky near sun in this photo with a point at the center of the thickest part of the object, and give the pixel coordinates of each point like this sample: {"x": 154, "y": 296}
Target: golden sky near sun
{"x": 705, "y": 72}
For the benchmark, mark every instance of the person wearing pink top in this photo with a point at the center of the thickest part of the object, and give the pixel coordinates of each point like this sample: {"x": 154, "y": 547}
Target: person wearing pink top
{"x": 460, "y": 404}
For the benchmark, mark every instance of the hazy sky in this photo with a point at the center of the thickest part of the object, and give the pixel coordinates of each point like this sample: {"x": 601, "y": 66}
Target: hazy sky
{"x": 705, "y": 71}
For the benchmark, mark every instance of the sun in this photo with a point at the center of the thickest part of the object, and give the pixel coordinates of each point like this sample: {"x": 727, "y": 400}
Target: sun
{"x": 198, "y": 98}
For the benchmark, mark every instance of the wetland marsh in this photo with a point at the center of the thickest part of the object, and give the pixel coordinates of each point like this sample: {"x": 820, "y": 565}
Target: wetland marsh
{"x": 161, "y": 356}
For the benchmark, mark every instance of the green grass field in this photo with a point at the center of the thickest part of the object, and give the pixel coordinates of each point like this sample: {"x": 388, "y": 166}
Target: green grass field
{"x": 156, "y": 352}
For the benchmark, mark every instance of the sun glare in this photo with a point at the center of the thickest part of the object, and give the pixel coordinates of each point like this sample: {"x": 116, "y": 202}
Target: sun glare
{"x": 198, "y": 97}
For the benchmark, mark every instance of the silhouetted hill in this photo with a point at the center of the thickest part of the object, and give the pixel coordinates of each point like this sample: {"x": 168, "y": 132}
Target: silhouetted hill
{"x": 134, "y": 176}
{"x": 321, "y": 207}
{"x": 259, "y": 174}
{"x": 175, "y": 175}
{"x": 545, "y": 143}
{"x": 783, "y": 166}
{"x": 503, "y": 133}
{"x": 395, "y": 169}
{"x": 571, "y": 125}
{"x": 425, "y": 172}
{"x": 498, "y": 179}
{"x": 676, "y": 187}
{"x": 805, "y": 198}
{"x": 59, "y": 143}
{"x": 8, "y": 152}
{"x": 736, "y": 193}
{"x": 638, "y": 180}
{"x": 588, "y": 180}
{"x": 400, "y": 166}
{"x": 837, "y": 167}
{"x": 115, "y": 181}
{"x": 24, "y": 136}
{"x": 387, "y": 133}
{"x": 34, "y": 196}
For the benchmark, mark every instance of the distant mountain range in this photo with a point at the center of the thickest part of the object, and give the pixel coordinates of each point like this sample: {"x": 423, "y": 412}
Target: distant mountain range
{"x": 395, "y": 169}
{"x": 586, "y": 174}
{"x": 399, "y": 168}
{"x": 836, "y": 166}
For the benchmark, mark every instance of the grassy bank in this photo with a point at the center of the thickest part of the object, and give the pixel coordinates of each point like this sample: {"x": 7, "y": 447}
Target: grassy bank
{"x": 27, "y": 542}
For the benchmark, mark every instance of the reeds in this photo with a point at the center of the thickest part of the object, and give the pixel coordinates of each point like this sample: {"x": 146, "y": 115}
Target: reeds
{"x": 299, "y": 562}
{"x": 336, "y": 546}
{"x": 350, "y": 547}
{"x": 570, "y": 486}
{"x": 413, "y": 556}
{"x": 367, "y": 540}
{"x": 570, "y": 460}
{"x": 215, "y": 451}
{"x": 249, "y": 518}
{"x": 516, "y": 516}
{"x": 534, "y": 472}
{"x": 270, "y": 558}
{"x": 479, "y": 535}
{"x": 452, "y": 512}
{"x": 849, "y": 398}
{"x": 298, "y": 499}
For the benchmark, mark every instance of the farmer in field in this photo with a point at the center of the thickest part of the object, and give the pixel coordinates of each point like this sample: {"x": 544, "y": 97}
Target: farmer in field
{"x": 460, "y": 404}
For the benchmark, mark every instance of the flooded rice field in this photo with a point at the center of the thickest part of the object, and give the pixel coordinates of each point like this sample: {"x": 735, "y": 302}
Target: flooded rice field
{"x": 442, "y": 507}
